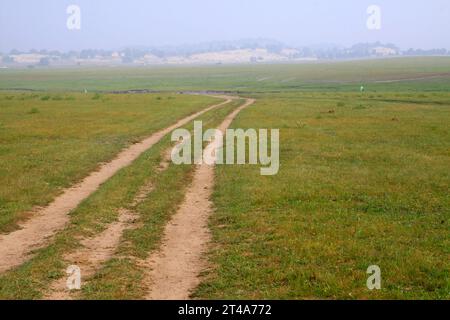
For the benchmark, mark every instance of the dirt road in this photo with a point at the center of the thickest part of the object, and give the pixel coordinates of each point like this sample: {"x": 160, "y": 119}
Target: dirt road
{"x": 174, "y": 270}
{"x": 38, "y": 231}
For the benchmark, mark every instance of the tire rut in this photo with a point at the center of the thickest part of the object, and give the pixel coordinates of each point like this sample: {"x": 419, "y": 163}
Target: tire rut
{"x": 38, "y": 231}
{"x": 97, "y": 250}
{"x": 174, "y": 270}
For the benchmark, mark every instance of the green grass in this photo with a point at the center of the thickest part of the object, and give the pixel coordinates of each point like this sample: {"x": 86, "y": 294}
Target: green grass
{"x": 364, "y": 185}
{"x": 47, "y": 142}
{"x": 320, "y": 76}
{"x": 121, "y": 277}
{"x": 32, "y": 279}
{"x": 363, "y": 179}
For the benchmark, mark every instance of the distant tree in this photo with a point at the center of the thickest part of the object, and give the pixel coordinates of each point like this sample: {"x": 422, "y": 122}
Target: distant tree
{"x": 159, "y": 53}
{"x": 86, "y": 54}
{"x": 274, "y": 48}
{"x": 409, "y": 52}
{"x": 127, "y": 59}
{"x": 43, "y": 62}
{"x": 55, "y": 53}
{"x": 72, "y": 54}
{"x": 105, "y": 53}
{"x": 8, "y": 59}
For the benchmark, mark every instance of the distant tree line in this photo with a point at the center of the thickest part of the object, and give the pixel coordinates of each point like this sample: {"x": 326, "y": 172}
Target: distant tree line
{"x": 130, "y": 55}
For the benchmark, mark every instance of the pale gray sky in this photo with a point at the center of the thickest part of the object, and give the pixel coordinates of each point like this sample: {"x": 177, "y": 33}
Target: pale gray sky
{"x": 112, "y": 24}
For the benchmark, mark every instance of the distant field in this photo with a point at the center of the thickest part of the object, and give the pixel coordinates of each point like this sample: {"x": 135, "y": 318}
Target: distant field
{"x": 48, "y": 141}
{"x": 421, "y": 74}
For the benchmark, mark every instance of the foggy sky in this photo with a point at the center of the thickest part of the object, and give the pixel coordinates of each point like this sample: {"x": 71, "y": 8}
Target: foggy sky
{"x": 114, "y": 24}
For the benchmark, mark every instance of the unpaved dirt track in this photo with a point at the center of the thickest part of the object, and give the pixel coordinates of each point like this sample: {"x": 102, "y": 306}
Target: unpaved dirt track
{"x": 174, "y": 270}
{"x": 16, "y": 247}
{"x": 97, "y": 250}
{"x": 93, "y": 254}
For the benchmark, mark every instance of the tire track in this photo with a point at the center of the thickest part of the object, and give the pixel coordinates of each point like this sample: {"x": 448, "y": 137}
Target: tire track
{"x": 174, "y": 270}
{"x": 97, "y": 250}
{"x": 35, "y": 233}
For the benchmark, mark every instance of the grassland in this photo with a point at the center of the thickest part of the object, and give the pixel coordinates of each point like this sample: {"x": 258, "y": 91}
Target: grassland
{"x": 120, "y": 277}
{"x": 423, "y": 74}
{"x": 49, "y": 141}
{"x": 363, "y": 179}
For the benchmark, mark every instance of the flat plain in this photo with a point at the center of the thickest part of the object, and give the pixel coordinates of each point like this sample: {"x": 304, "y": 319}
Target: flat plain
{"x": 364, "y": 176}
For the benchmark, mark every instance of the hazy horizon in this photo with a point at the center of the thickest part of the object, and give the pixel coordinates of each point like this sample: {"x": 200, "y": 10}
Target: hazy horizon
{"x": 112, "y": 25}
